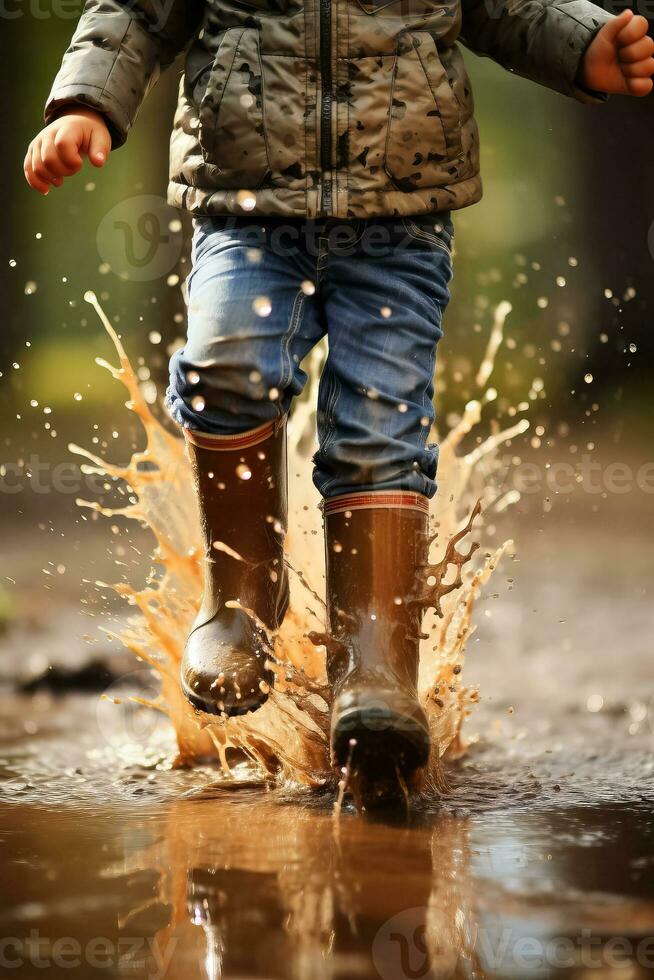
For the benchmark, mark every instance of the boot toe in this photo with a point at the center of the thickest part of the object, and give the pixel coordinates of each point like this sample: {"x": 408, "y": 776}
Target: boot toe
{"x": 225, "y": 675}
{"x": 380, "y": 729}
{"x": 244, "y": 690}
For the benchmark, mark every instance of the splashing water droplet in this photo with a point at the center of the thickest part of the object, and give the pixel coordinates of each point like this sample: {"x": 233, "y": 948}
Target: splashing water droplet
{"x": 588, "y": 378}
{"x": 246, "y": 200}
{"x": 262, "y": 306}
{"x": 243, "y": 472}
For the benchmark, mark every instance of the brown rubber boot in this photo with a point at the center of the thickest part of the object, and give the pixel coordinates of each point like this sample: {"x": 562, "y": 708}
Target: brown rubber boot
{"x": 241, "y": 482}
{"x": 374, "y": 545}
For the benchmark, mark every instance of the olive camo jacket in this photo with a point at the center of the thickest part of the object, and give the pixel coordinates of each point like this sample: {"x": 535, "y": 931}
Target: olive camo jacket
{"x": 345, "y": 108}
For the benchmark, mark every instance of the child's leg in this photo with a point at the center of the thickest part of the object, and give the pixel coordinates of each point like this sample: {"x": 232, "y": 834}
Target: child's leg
{"x": 249, "y": 325}
{"x": 376, "y": 471}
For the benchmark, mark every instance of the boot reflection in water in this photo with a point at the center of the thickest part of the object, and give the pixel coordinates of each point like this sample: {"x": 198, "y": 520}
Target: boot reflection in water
{"x": 241, "y": 485}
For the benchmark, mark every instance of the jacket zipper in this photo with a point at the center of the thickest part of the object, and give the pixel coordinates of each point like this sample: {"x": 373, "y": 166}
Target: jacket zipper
{"x": 326, "y": 102}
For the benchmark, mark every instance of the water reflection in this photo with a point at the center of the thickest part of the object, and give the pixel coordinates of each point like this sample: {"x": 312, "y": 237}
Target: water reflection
{"x": 249, "y": 885}
{"x": 285, "y": 891}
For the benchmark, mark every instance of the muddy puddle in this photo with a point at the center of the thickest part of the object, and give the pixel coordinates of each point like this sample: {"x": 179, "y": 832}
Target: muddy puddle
{"x": 537, "y": 861}
{"x": 175, "y": 878}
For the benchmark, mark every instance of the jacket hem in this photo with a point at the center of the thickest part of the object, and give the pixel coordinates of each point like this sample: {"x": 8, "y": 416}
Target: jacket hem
{"x": 290, "y": 202}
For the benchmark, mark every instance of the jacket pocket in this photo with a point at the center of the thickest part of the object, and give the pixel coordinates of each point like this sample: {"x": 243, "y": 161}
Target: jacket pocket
{"x": 423, "y": 141}
{"x": 232, "y": 126}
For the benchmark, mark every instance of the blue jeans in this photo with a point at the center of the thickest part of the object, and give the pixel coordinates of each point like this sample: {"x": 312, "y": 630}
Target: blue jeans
{"x": 263, "y": 292}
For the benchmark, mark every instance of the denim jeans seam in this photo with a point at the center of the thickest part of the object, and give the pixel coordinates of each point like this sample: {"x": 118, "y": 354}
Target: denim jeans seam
{"x": 329, "y": 416}
{"x": 289, "y": 336}
{"x": 322, "y": 258}
{"x": 424, "y": 429}
{"x": 417, "y": 234}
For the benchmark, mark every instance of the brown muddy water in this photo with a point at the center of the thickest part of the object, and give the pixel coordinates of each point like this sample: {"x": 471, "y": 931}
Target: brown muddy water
{"x": 140, "y": 843}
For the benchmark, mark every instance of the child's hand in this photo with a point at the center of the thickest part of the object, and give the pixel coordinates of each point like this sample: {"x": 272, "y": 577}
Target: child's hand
{"x": 59, "y": 149}
{"x": 619, "y": 58}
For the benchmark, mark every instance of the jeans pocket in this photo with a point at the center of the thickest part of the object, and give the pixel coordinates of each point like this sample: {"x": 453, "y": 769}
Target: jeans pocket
{"x": 434, "y": 230}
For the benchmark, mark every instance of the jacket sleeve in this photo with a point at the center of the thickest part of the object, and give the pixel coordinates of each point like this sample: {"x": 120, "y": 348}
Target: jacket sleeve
{"x": 544, "y": 40}
{"x": 116, "y": 55}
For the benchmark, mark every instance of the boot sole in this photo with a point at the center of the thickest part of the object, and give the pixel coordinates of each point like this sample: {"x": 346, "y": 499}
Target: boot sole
{"x": 212, "y": 708}
{"x": 384, "y": 748}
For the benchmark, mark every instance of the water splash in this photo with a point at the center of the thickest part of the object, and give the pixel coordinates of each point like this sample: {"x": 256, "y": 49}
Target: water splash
{"x": 287, "y": 739}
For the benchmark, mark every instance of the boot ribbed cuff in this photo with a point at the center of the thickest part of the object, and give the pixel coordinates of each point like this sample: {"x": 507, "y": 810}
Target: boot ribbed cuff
{"x": 240, "y": 440}
{"x": 375, "y": 499}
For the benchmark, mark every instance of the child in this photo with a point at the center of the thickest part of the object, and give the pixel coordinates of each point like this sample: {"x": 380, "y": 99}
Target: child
{"x": 320, "y": 147}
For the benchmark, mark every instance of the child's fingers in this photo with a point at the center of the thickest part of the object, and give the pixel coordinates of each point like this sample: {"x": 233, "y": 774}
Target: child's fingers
{"x": 639, "y": 69}
{"x": 38, "y": 166}
{"x": 637, "y": 51}
{"x": 35, "y": 182}
{"x": 611, "y": 30}
{"x": 50, "y": 169}
{"x": 636, "y": 28}
{"x": 55, "y": 160}
{"x": 99, "y": 146}
{"x": 68, "y": 152}
{"x": 639, "y": 86}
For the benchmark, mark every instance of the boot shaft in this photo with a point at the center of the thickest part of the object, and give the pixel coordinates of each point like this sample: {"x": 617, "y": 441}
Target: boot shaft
{"x": 373, "y": 554}
{"x": 242, "y": 491}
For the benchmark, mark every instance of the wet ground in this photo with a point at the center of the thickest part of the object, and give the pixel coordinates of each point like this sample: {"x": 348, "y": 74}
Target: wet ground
{"x": 537, "y": 862}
